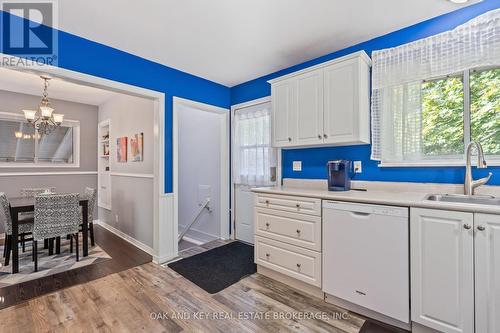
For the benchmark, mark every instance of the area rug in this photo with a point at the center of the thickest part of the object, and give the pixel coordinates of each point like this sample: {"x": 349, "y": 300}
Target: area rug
{"x": 48, "y": 265}
{"x": 218, "y": 268}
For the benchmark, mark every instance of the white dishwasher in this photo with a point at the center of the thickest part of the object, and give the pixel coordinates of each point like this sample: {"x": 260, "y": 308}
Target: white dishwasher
{"x": 366, "y": 256}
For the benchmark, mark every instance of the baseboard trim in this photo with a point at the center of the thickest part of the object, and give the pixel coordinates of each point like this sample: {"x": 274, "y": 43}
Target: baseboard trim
{"x": 192, "y": 240}
{"x": 125, "y": 237}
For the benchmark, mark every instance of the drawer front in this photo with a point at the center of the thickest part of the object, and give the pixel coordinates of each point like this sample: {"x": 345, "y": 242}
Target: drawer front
{"x": 287, "y": 203}
{"x": 296, "y": 229}
{"x": 296, "y": 262}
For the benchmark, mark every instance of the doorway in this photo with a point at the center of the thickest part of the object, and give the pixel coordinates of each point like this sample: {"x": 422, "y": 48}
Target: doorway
{"x": 255, "y": 162}
{"x": 201, "y": 172}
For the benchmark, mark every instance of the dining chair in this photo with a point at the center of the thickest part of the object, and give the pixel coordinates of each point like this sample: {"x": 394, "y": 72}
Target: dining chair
{"x": 31, "y": 192}
{"x": 25, "y": 227}
{"x": 91, "y": 194}
{"x": 56, "y": 215}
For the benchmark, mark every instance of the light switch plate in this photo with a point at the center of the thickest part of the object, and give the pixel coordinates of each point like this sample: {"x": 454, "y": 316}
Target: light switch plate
{"x": 297, "y": 166}
{"x": 357, "y": 167}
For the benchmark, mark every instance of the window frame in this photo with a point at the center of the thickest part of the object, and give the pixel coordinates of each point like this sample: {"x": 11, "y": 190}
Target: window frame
{"x": 457, "y": 160}
{"x": 75, "y": 124}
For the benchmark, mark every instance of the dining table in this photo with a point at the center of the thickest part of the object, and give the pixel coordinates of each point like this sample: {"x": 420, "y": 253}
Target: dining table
{"x": 27, "y": 204}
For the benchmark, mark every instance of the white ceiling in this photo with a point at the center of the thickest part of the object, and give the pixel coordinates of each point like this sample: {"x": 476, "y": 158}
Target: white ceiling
{"x": 32, "y": 84}
{"x": 233, "y": 41}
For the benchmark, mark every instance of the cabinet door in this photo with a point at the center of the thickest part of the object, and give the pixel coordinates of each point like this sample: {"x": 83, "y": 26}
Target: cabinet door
{"x": 309, "y": 120}
{"x": 283, "y": 114}
{"x": 442, "y": 277}
{"x": 346, "y": 110}
{"x": 487, "y": 252}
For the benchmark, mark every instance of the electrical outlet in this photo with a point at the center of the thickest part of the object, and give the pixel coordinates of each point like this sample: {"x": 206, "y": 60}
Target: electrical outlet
{"x": 297, "y": 166}
{"x": 116, "y": 218}
{"x": 357, "y": 167}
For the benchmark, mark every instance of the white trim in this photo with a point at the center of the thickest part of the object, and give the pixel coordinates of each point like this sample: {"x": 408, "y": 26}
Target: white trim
{"x": 163, "y": 245}
{"x": 440, "y": 163}
{"x": 133, "y": 175}
{"x": 55, "y": 173}
{"x": 253, "y": 102}
{"x": 224, "y": 159}
{"x": 192, "y": 240}
{"x": 361, "y": 54}
{"x": 125, "y": 237}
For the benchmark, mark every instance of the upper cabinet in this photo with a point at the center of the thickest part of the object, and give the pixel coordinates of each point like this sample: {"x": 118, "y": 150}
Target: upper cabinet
{"x": 327, "y": 104}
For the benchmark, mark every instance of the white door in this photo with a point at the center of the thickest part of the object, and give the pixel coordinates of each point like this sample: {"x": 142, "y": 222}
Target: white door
{"x": 254, "y": 162}
{"x": 284, "y": 112}
{"x": 341, "y": 102}
{"x": 442, "y": 269}
{"x": 244, "y": 213}
{"x": 309, "y": 120}
{"x": 487, "y": 253}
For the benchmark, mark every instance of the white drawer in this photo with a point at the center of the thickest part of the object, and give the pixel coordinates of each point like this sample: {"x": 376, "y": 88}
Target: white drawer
{"x": 296, "y": 229}
{"x": 287, "y": 203}
{"x": 299, "y": 263}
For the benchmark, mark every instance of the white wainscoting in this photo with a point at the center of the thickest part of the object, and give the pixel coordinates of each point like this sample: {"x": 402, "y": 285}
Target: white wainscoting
{"x": 165, "y": 237}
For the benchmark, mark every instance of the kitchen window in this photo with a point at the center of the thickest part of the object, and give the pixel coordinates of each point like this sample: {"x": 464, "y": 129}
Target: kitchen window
{"x": 430, "y": 98}
{"x": 22, "y": 146}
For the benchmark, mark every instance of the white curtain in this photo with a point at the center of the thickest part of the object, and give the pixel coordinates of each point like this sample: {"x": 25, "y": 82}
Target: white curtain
{"x": 253, "y": 155}
{"x": 397, "y": 75}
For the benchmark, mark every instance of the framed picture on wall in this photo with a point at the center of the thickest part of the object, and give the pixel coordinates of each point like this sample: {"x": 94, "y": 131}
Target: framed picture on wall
{"x": 137, "y": 147}
{"x": 121, "y": 149}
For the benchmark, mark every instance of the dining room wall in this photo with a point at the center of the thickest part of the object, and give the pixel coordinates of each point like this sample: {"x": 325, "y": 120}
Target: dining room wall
{"x": 11, "y": 184}
{"x": 132, "y": 208}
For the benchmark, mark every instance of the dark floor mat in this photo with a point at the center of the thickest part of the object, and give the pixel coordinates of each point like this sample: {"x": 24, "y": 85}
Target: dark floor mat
{"x": 218, "y": 268}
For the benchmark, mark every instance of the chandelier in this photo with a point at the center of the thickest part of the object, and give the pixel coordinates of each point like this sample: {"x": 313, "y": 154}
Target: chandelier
{"x": 44, "y": 120}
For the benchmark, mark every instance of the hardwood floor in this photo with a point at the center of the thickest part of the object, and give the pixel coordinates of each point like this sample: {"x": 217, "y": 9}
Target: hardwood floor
{"x": 152, "y": 298}
{"x": 124, "y": 256}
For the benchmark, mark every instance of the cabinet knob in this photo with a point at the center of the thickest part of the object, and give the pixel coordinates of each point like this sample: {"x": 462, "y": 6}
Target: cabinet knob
{"x": 481, "y": 227}
{"x": 267, "y": 255}
{"x": 320, "y": 137}
{"x": 289, "y": 139}
{"x": 325, "y": 136}
{"x": 467, "y": 226}
{"x": 297, "y": 205}
{"x": 298, "y": 265}
{"x": 298, "y": 231}
{"x": 267, "y": 202}
{"x": 267, "y": 224}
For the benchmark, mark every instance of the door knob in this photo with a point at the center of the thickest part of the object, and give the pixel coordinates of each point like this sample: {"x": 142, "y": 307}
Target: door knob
{"x": 481, "y": 228}
{"x": 467, "y": 226}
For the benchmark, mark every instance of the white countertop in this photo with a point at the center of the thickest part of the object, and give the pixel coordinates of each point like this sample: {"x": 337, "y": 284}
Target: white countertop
{"x": 381, "y": 197}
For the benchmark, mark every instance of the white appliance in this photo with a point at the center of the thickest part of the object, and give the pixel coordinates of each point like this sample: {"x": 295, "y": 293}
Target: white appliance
{"x": 366, "y": 258}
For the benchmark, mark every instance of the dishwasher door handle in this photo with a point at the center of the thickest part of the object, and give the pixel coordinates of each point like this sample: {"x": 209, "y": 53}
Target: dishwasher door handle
{"x": 360, "y": 213}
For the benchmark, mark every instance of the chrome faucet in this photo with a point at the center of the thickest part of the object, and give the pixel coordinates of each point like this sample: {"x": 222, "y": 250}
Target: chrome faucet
{"x": 469, "y": 183}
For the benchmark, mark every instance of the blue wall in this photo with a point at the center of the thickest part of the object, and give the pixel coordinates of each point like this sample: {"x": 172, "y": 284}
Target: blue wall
{"x": 314, "y": 159}
{"x": 85, "y": 56}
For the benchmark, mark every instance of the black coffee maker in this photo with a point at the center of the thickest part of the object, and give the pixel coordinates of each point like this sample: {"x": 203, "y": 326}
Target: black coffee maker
{"x": 339, "y": 175}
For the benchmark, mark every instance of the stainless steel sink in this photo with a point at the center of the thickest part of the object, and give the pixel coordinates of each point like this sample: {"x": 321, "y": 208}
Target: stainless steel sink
{"x": 467, "y": 199}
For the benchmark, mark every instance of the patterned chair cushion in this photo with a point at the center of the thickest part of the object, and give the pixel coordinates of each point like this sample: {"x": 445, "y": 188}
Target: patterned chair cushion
{"x": 91, "y": 194}
{"x": 56, "y": 215}
{"x": 25, "y": 222}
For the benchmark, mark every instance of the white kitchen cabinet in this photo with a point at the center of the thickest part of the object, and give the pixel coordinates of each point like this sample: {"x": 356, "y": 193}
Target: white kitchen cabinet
{"x": 442, "y": 269}
{"x": 284, "y": 112}
{"x": 309, "y": 120}
{"x": 487, "y": 272}
{"x": 327, "y": 104}
{"x": 347, "y": 113}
